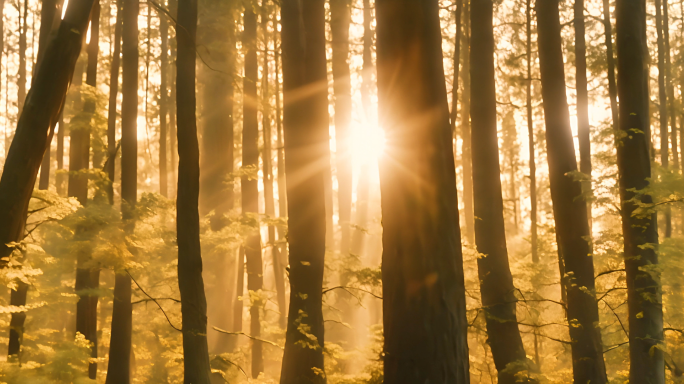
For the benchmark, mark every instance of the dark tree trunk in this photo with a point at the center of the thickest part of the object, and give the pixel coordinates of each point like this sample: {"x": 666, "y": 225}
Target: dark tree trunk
{"x": 570, "y": 212}
{"x": 191, "y": 285}
{"x": 662, "y": 107}
{"x": 87, "y": 277}
{"x": 59, "y": 177}
{"x": 466, "y": 152}
{"x": 48, "y": 22}
{"x": 634, "y": 167}
{"x": 119, "y": 369}
{"x": 496, "y": 281}
{"x": 16, "y": 333}
{"x": 530, "y": 135}
{"x": 173, "y": 163}
{"x": 340, "y": 20}
{"x": 113, "y": 93}
{"x": 306, "y": 144}
{"x": 672, "y": 111}
{"x": 282, "y": 190}
{"x": 424, "y": 307}
{"x": 583, "y": 125}
{"x": 36, "y": 120}
{"x": 218, "y": 32}
{"x": 163, "y": 105}
{"x": 457, "y": 66}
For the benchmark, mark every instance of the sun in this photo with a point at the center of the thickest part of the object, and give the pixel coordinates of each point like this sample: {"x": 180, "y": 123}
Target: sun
{"x": 367, "y": 144}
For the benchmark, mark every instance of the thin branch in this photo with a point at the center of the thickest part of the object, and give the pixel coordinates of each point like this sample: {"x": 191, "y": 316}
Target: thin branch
{"x": 615, "y": 346}
{"x": 347, "y": 289}
{"x": 248, "y": 336}
{"x": 157, "y": 298}
{"x": 155, "y": 301}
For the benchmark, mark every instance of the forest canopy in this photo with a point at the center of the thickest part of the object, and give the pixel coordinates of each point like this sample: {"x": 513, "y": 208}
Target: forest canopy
{"x": 341, "y": 191}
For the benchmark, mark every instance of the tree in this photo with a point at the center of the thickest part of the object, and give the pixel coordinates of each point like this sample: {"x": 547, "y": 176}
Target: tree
{"x": 466, "y": 152}
{"x": 110, "y": 165}
{"x": 305, "y": 128}
{"x": 496, "y": 281}
{"x": 634, "y": 169}
{"x": 21, "y": 75}
{"x": 163, "y": 105}
{"x": 662, "y": 107}
{"x": 42, "y": 107}
{"x": 530, "y": 133}
{"x": 569, "y": 210}
{"x": 610, "y": 60}
{"x": 193, "y": 300}
{"x": 250, "y": 191}
{"x": 119, "y": 368}
{"x": 425, "y": 325}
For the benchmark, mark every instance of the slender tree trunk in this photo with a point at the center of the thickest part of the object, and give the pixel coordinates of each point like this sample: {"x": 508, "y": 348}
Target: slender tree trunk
{"x": 191, "y": 285}
{"x": 466, "y": 152}
{"x": 250, "y": 192}
{"x": 570, "y": 213}
{"x": 21, "y": 75}
{"x": 239, "y": 291}
{"x": 583, "y": 124}
{"x": 634, "y": 168}
{"x": 282, "y": 190}
{"x": 36, "y": 122}
{"x": 425, "y": 324}
{"x": 610, "y": 59}
{"x": 457, "y": 66}
{"x": 496, "y": 281}
{"x": 340, "y": 20}
{"x": 48, "y": 21}
{"x": 173, "y": 163}
{"x": 113, "y": 93}
{"x": 530, "y": 136}
{"x": 59, "y": 177}
{"x": 16, "y": 333}
{"x": 119, "y": 369}
{"x": 306, "y": 144}
{"x": 662, "y": 107}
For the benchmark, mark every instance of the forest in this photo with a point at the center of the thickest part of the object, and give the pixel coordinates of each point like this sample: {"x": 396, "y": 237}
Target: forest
{"x": 342, "y": 191}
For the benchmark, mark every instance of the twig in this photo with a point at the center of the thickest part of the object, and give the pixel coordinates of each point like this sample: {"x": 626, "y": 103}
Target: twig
{"x": 615, "y": 346}
{"x": 155, "y": 301}
{"x": 347, "y": 289}
{"x": 248, "y": 336}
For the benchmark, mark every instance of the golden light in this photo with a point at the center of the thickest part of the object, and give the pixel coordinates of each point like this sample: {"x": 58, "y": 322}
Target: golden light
{"x": 367, "y": 144}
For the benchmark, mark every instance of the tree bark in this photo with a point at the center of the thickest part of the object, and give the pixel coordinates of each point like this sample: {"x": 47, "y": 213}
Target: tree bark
{"x": 21, "y": 75}
{"x": 191, "y": 285}
{"x": 250, "y": 192}
{"x": 570, "y": 212}
{"x": 340, "y": 20}
{"x": 425, "y": 325}
{"x": 113, "y": 93}
{"x": 163, "y": 105}
{"x": 282, "y": 189}
{"x": 496, "y": 281}
{"x": 173, "y": 162}
{"x": 634, "y": 168}
{"x": 119, "y": 369}
{"x": 457, "y": 66}
{"x": 466, "y": 152}
{"x": 306, "y": 144}
{"x": 35, "y": 122}
{"x": 530, "y": 135}
{"x": 610, "y": 59}
{"x": 672, "y": 112}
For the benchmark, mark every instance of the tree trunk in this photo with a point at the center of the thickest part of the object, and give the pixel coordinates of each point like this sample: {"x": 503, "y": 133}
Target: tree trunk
{"x": 670, "y": 85}
{"x": 173, "y": 163}
{"x": 35, "y": 122}
{"x": 87, "y": 277}
{"x": 466, "y": 151}
{"x": 457, "y": 66}
{"x": 340, "y": 20}
{"x": 583, "y": 125}
{"x": 113, "y": 93}
{"x": 610, "y": 59}
{"x": 191, "y": 285}
{"x": 250, "y": 192}
{"x": 282, "y": 190}
{"x": 16, "y": 334}
{"x": 163, "y": 104}
{"x": 496, "y": 281}
{"x": 662, "y": 107}
{"x": 530, "y": 135}
{"x": 570, "y": 212}
{"x": 634, "y": 168}
{"x": 119, "y": 369}
{"x": 425, "y": 325}
{"x": 238, "y": 306}
{"x": 306, "y": 144}
{"x": 48, "y": 22}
